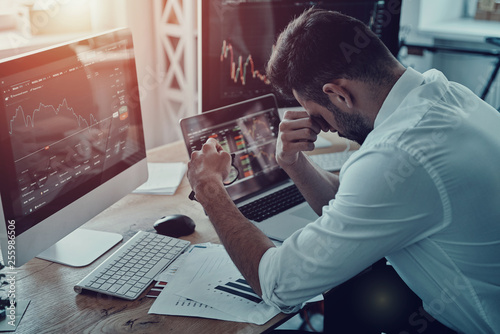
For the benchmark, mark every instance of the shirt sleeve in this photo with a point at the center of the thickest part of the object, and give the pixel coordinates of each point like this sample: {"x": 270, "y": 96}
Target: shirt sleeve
{"x": 386, "y": 201}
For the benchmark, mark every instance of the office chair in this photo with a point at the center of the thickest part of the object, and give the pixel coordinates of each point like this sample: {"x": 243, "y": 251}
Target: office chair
{"x": 375, "y": 301}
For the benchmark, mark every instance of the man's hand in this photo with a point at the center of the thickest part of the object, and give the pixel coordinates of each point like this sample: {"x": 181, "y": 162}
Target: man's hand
{"x": 297, "y": 132}
{"x": 210, "y": 164}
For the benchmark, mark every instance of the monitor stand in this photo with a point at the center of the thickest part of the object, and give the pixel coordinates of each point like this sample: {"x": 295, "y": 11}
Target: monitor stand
{"x": 81, "y": 247}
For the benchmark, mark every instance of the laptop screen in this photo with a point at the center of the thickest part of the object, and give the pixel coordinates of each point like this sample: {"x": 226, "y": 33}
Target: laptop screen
{"x": 248, "y": 129}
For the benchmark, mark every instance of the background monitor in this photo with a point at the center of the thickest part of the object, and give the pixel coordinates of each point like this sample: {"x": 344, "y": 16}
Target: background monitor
{"x": 236, "y": 38}
{"x": 72, "y": 144}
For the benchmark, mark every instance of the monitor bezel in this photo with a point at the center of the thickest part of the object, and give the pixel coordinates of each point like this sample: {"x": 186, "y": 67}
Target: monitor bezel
{"x": 53, "y": 228}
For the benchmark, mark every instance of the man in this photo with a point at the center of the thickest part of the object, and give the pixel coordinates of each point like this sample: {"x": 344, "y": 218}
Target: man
{"x": 422, "y": 191}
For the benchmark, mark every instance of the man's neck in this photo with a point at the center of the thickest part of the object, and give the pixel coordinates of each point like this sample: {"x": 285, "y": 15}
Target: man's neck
{"x": 373, "y": 96}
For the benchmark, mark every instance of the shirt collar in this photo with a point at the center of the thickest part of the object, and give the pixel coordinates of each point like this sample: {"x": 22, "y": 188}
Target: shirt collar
{"x": 405, "y": 84}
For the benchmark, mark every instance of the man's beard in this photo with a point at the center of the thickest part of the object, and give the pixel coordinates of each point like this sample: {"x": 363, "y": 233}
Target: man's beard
{"x": 352, "y": 126}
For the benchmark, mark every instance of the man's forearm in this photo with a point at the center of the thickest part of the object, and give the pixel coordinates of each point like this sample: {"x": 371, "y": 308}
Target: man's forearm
{"x": 244, "y": 242}
{"x": 316, "y": 185}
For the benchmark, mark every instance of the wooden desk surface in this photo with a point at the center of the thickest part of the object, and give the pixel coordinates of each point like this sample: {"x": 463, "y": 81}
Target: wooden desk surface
{"x": 56, "y": 308}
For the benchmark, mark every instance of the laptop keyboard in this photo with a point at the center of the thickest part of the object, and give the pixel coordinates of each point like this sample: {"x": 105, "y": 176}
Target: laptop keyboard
{"x": 272, "y": 204}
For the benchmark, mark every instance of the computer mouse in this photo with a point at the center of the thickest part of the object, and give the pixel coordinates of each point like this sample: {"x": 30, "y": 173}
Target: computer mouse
{"x": 174, "y": 225}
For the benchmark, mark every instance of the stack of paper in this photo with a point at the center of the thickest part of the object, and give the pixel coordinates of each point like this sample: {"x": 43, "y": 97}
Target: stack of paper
{"x": 164, "y": 178}
{"x": 207, "y": 284}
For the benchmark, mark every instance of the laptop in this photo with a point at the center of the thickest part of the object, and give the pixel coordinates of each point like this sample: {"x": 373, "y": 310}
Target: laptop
{"x": 249, "y": 131}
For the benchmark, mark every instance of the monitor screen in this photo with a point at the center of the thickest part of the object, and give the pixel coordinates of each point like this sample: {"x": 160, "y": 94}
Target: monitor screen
{"x": 70, "y": 125}
{"x": 236, "y": 38}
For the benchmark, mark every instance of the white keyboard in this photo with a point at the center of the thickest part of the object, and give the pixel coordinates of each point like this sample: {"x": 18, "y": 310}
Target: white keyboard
{"x": 331, "y": 161}
{"x": 130, "y": 270}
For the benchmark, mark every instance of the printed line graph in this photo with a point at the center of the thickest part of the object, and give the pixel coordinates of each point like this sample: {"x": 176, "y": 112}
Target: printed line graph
{"x": 240, "y": 72}
{"x": 29, "y": 120}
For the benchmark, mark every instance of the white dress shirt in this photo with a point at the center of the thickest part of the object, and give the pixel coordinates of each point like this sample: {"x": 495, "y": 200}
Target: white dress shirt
{"x": 423, "y": 191}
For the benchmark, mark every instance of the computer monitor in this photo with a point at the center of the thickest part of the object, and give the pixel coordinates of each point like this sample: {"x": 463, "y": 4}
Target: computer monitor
{"x": 71, "y": 144}
{"x": 236, "y": 38}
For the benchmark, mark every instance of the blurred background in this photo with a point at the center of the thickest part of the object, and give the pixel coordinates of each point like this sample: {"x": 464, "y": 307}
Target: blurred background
{"x": 165, "y": 38}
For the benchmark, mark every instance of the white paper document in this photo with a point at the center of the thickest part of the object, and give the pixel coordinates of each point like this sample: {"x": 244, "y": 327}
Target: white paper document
{"x": 164, "y": 178}
{"x": 209, "y": 285}
{"x": 182, "y": 273}
{"x": 227, "y": 291}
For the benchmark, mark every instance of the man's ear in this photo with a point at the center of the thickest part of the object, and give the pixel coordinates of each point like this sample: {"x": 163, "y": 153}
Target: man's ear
{"x": 338, "y": 93}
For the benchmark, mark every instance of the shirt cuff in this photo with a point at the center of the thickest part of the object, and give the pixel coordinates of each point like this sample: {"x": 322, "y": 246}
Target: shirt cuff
{"x": 268, "y": 276}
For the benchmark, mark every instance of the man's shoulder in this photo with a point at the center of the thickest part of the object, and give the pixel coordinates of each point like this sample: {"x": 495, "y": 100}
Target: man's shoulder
{"x": 380, "y": 158}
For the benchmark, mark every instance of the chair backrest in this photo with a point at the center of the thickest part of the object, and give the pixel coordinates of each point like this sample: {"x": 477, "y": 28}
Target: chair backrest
{"x": 375, "y": 301}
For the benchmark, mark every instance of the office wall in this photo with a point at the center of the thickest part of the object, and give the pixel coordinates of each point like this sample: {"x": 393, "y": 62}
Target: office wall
{"x": 176, "y": 38}
{"x": 160, "y": 119}
{"x": 165, "y": 43}
{"x": 450, "y": 23}
{"x": 140, "y": 20}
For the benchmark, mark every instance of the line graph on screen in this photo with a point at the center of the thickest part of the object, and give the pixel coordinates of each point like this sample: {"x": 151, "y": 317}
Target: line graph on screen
{"x": 239, "y": 69}
{"x": 20, "y": 117}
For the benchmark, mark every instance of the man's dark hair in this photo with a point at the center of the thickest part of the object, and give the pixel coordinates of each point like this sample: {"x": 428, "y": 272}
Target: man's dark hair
{"x": 320, "y": 46}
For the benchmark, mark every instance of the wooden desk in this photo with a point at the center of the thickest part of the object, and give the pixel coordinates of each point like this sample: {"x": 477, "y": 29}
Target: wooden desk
{"x": 56, "y": 308}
